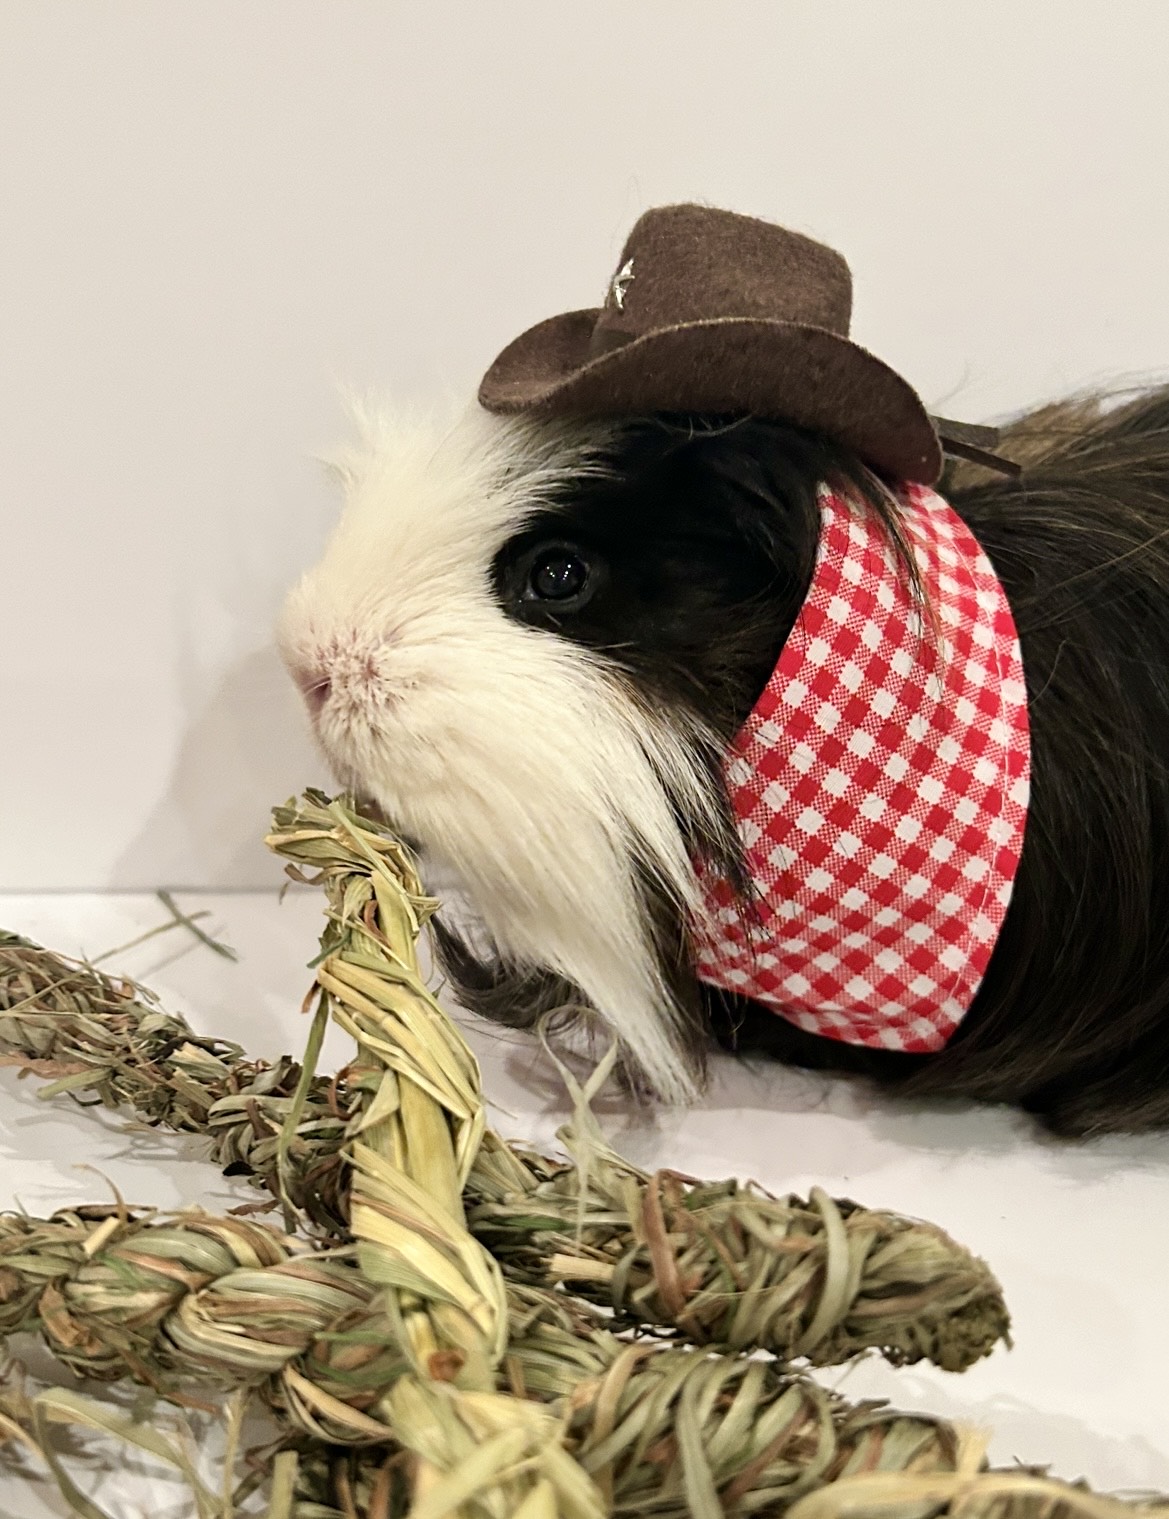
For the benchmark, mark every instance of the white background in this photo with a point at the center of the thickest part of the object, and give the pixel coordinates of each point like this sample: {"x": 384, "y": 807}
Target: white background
{"x": 212, "y": 216}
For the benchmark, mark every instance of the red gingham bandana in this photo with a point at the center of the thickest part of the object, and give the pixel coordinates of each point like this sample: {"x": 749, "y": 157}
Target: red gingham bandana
{"x": 880, "y": 787}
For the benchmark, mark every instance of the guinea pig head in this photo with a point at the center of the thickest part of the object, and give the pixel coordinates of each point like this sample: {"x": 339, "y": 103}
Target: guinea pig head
{"x": 529, "y": 643}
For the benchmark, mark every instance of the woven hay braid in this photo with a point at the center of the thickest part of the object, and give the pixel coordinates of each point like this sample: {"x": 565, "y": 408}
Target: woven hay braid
{"x": 722, "y": 1264}
{"x": 505, "y": 1399}
{"x": 195, "y": 1302}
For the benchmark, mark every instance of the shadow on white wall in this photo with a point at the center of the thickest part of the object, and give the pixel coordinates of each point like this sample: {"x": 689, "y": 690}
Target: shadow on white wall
{"x": 245, "y": 750}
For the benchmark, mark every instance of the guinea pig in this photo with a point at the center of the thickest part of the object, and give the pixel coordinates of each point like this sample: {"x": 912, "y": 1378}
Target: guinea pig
{"x": 535, "y": 641}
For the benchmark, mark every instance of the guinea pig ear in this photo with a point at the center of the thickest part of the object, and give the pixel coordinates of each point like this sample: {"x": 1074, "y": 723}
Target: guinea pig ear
{"x": 768, "y": 474}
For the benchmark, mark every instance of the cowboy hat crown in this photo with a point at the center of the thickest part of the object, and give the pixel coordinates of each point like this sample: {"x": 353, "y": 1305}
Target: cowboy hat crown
{"x": 709, "y": 311}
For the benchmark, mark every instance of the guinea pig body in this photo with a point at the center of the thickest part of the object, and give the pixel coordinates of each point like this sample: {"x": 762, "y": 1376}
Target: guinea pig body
{"x": 532, "y": 644}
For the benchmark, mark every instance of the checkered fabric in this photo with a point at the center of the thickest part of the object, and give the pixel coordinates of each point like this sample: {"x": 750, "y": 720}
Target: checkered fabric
{"x": 881, "y": 788}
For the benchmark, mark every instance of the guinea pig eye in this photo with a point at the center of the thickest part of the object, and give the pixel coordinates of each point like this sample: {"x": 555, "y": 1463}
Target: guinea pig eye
{"x": 559, "y": 574}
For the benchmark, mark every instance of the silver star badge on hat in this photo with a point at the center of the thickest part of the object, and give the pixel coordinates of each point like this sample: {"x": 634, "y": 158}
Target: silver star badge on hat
{"x": 621, "y": 283}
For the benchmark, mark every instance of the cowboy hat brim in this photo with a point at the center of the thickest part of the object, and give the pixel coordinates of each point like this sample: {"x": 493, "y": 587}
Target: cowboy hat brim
{"x": 786, "y": 370}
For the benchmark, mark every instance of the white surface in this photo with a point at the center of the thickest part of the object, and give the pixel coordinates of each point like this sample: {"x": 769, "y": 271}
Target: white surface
{"x": 215, "y": 213}
{"x": 1077, "y": 1234}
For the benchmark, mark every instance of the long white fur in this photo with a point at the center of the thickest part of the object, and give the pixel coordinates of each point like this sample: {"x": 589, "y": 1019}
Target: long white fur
{"x": 524, "y": 764}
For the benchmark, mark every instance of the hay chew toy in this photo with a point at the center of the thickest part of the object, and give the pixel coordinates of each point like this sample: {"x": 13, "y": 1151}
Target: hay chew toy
{"x": 722, "y": 1262}
{"x": 515, "y": 1367}
{"x": 191, "y": 1303}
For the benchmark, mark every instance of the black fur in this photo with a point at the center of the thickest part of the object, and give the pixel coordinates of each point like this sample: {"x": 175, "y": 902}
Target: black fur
{"x": 705, "y": 532}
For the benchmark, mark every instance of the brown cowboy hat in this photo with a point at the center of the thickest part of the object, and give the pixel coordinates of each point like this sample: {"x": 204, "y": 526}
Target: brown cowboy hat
{"x": 714, "y": 312}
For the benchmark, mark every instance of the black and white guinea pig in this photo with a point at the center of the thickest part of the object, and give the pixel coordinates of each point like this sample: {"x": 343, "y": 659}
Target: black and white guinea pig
{"x": 530, "y": 644}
